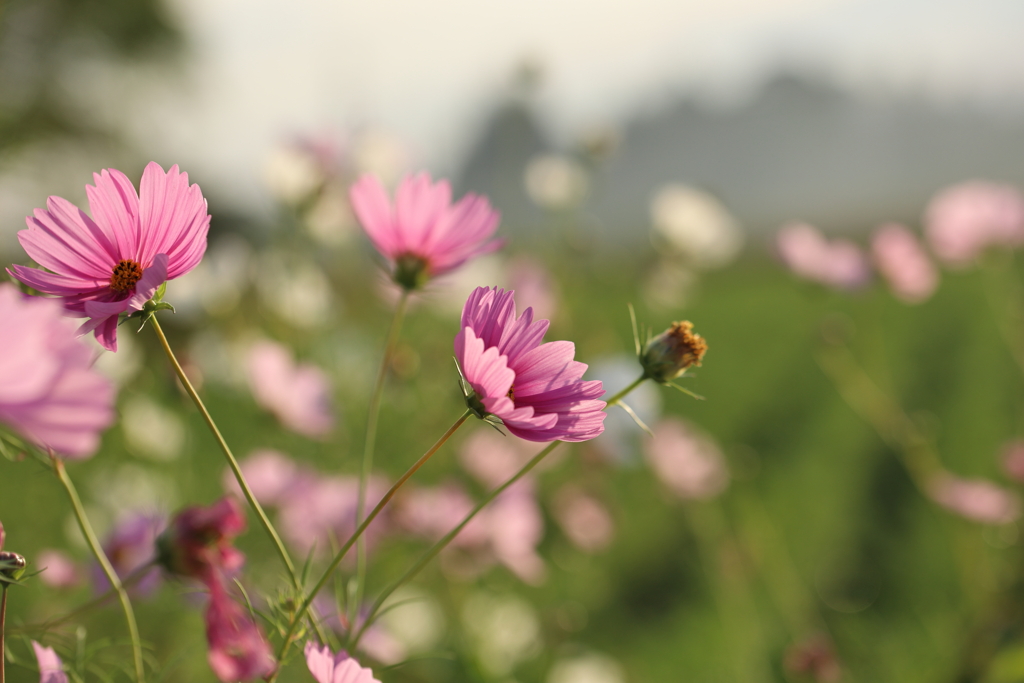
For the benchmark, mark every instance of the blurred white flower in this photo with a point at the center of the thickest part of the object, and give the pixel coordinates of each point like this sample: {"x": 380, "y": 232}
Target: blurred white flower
{"x": 131, "y": 488}
{"x": 330, "y": 220}
{"x": 294, "y": 288}
{"x": 217, "y": 283}
{"x": 382, "y": 153}
{"x": 555, "y": 181}
{"x": 292, "y": 173}
{"x": 695, "y": 224}
{"x": 151, "y": 430}
{"x": 669, "y": 286}
{"x": 619, "y": 441}
{"x": 414, "y": 618}
{"x": 448, "y": 293}
{"x": 505, "y": 630}
{"x": 588, "y": 668}
{"x": 122, "y": 366}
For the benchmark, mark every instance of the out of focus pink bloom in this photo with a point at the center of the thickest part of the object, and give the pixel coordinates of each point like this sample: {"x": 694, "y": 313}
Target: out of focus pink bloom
{"x": 687, "y": 461}
{"x": 535, "y": 284}
{"x": 902, "y": 261}
{"x": 976, "y": 499}
{"x": 491, "y": 458}
{"x": 837, "y": 263}
{"x": 423, "y": 235}
{"x": 238, "y": 651}
{"x": 433, "y": 512}
{"x": 585, "y": 521}
{"x": 49, "y": 392}
{"x": 299, "y": 395}
{"x": 535, "y": 389}
{"x": 335, "y": 668}
{"x": 269, "y": 473}
{"x": 51, "y": 669}
{"x": 376, "y": 642}
{"x": 1013, "y": 459}
{"x": 129, "y": 547}
{"x": 515, "y": 528}
{"x": 59, "y": 570}
{"x": 3, "y": 536}
{"x": 963, "y": 220}
{"x": 322, "y": 510}
{"x": 198, "y": 541}
{"x": 114, "y": 262}
{"x": 814, "y": 657}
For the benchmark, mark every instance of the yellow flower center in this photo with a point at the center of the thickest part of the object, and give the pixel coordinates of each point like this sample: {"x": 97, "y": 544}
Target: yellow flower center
{"x": 125, "y": 275}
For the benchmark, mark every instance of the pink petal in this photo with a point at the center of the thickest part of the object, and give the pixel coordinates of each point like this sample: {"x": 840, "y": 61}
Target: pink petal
{"x": 115, "y": 205}
{"x": 373, "y": 209}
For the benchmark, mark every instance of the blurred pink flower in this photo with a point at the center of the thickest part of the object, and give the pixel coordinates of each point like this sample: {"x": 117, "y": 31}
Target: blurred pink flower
{"x": 197, "y": 543}
{"x": 269, "y": 473}
{"x": 238, "y": 650}
{"x": 433, "y": 512}
{"x": 49, "y": 392}
{"x": 377, "y": 642}
{"x": 319, "y": 511}
{"x": 114, "y": 262}
{"x": 978, "y": 500}
{"x": 687, "y": 461}
{"x": 3, "y": 536}
{"x": 838, "y": 263}
{"x": 1013, "y": 460}
{"x": 491, "y": 458}
{"x": 535, "y": 284}
{"x": 51, "y": 669}
{"x": 423, "y": 235}
{"x": 585, "y": 521}
{"x": 130, "y": 546}
{"x": 340, "y": 668}
{"x": 58, "y": 569}
{"x": 535, "y": 389}
{"x": 963, "y": 220}
{"x": 299, "y": 395}
{"x": 515, "y": 526}
{"x": 902, "y": 261}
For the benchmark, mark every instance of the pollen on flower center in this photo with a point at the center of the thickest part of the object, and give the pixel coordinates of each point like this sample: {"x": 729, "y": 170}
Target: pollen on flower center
{"x": 125, "y": 275}
{"x": 512, "y": 393}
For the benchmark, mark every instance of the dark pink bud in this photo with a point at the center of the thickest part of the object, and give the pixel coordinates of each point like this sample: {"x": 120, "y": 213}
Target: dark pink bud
{"x": 198, "y": 541}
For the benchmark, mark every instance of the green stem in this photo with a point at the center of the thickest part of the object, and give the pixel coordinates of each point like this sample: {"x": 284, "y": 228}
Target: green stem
{"x": 440, "y": 545}
{"x": 371, "y": 439}
{"x": 359, "y": 532}
{"x": 108, "y": 570}
{"x": 253, "y": 503}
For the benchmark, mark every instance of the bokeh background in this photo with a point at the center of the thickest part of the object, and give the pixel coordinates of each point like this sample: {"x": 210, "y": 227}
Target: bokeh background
{"x": 841, "y": 507}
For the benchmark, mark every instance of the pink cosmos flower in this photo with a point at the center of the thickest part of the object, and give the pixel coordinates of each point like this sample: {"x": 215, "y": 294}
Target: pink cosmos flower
{"x": 900, "y": 258}
{"x": 963, "y": 220}
{"x": 238, "y": 651}
{"x": 49, "y": 392}
{"x": 586, "y": 522}
{"x": 535, "y": 284}
{"x": 535, "y": 389}
{"x": 433, "y": 512}
{"x": 51, "y": 669}
{"x": 515, "y": 526}
{"x": 130, "y": 546}
{"x": 975, "y": 499}
{"x": 838, "y": 263}
{"x": 492, "y": 459}
{"x": 59, "y": 570}
{"x": 114, "y": 262}
{"x": 298, "y": 394}
{"x": 377, "y": 642}
{"x": 270, "y": 474}
{"x": 327, "y": 667}
{"x": 198, "y": 541}
{"x": 687, "y": 461}
{"x": 423, "y": 235}
{"x": 320, "y": 510}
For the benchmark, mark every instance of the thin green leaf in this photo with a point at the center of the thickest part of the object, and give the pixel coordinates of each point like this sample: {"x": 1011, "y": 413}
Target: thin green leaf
{"x": 636, "y": 418}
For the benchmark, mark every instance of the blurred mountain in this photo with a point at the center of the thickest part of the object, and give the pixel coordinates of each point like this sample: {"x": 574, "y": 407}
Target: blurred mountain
{"x": 799, "y": 149}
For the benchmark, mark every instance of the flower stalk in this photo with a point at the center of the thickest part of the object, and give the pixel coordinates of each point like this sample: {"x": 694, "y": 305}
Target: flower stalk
{"x": 232, "y": 462}
{"x": 104, "y": 562}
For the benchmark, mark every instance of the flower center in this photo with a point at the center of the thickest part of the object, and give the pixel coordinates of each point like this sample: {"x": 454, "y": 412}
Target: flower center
{"x": 512, "y": 393}
{"x": 125, "y": 275}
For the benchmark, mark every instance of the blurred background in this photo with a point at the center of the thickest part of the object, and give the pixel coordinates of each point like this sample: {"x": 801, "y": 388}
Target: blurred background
{"x": 843, "y": 506}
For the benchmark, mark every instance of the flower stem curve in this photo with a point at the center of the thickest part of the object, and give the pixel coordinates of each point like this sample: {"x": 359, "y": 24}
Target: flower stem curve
{"x": 108, "y": 570}
{"x": 232, "y": 462}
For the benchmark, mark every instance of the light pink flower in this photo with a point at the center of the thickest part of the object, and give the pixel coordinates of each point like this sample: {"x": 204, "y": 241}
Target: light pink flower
{"x": 586, "y": 522}
{"x": 837, "y": 263}
{"x": 59, "y": 570}
{"x": 3, "y": 536}
{"x": 515, "y": 527}
{"x": 238, "y": 651}
{"x": 492, "y": 458}
{"x": 130, "y": 546}
{"x": 377, "y": 642}
{"x": 335, "y": 668}
{"x": 423, "y": 235}
{"x": 298, "y": 394}
{"x": 433, "y": 512}
{"x": 114, "y": 262}
{"x": 902, "y": 261}
{"x": 49, "y": 392}
{"x": 963, "y": 220}
{"x": 535, "y": 284}
{"x": 975, "y": 499}
{"x": 51, "y": 669}
{"x": 687, "y": 461}
{"x": 1013, "y": 460}
{"x": 321, "y": 510}
{"x": 535, "y": 389}
{"x": 269, "y": 473}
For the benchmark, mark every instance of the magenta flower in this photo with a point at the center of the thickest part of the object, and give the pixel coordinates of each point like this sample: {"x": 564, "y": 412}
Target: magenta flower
{"x": 115, "y": 261}
{"x": 238, "y": 651}
{"x": 327, "y": 667}
{"x": 963, "y": 220}
{"x": 837, "y": 263}
{"x": 299, "y": 395}
{"x": 535, "y": 389}
{"x": 129, "y": 547}
{"x": 902, "y": 261}
{"x": 198, "y": 541}
{"x": 51, "y": 669}
{"x": 423, "y": 235}
{"x": 49, "y": 392}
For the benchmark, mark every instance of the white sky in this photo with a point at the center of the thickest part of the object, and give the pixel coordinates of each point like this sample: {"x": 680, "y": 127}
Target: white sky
{"x": 261, "y": 70}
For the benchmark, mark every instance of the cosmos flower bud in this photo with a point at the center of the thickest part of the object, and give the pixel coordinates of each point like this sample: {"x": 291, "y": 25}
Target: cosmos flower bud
{"x": 668, "y": 355}
{"x": 12, "y": 566}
